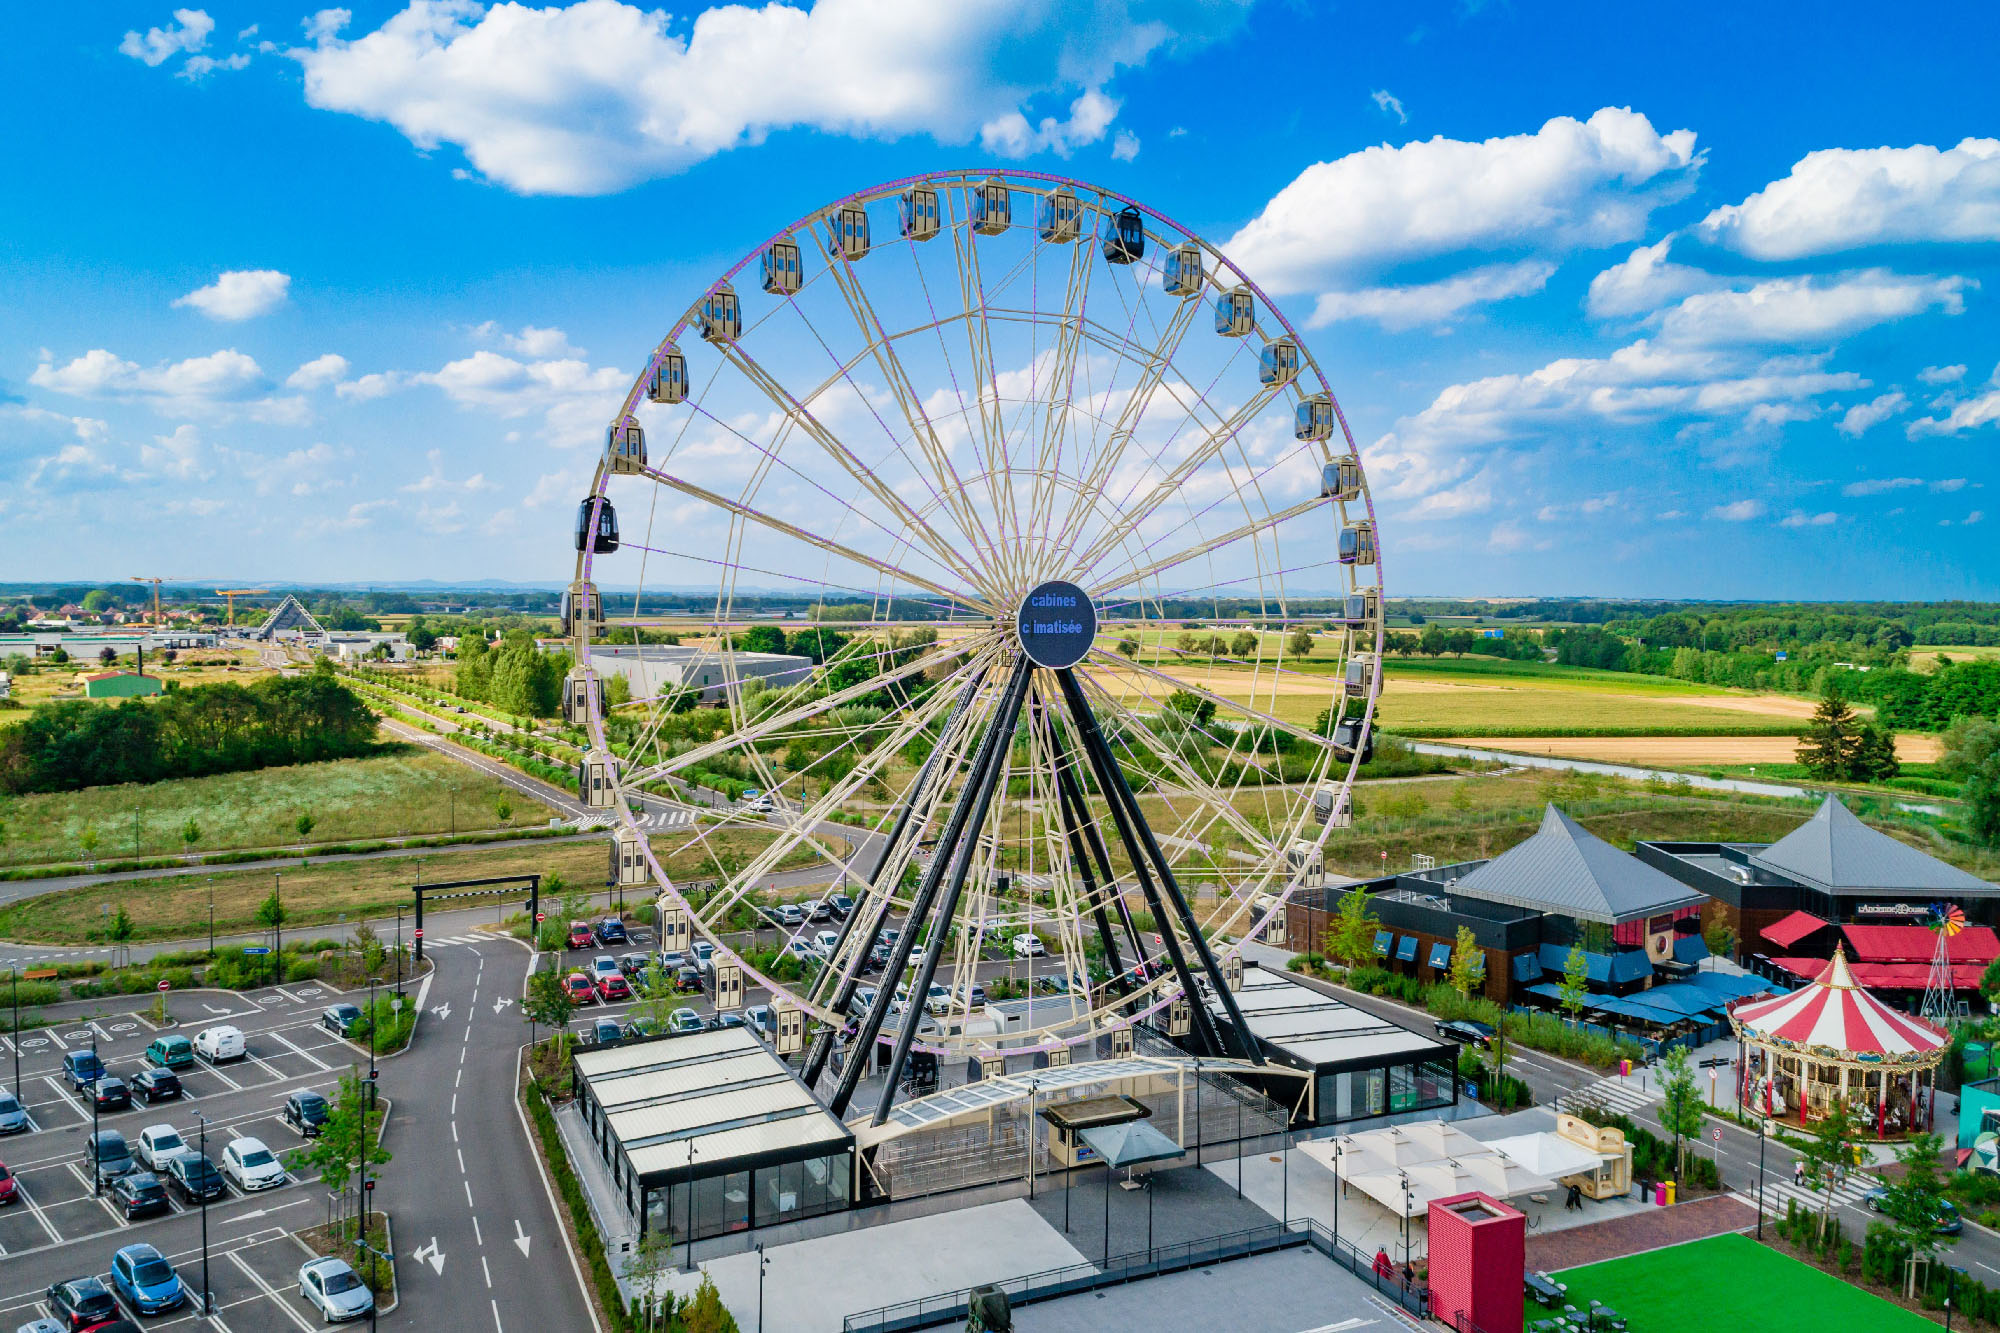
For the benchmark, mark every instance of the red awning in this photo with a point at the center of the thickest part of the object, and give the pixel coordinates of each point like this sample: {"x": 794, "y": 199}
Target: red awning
{"x": 1918, "y": 944}
{"x": 1789, "y": 930}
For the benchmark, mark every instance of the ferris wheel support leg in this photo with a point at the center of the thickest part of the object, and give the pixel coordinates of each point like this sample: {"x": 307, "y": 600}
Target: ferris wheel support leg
{"x": 1074, "y": 821}
{"x": 1133, "y": 829}
{"x": 920, "y": 906}
{"x": 823, "y": 1044}
{"x": 978, "y": 797}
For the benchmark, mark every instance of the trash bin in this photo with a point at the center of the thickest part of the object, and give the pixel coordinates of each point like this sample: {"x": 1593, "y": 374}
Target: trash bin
{"x": 1667, "y": 1193}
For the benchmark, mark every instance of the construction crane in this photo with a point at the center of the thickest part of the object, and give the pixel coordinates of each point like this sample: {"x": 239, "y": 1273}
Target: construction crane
{"x": 138, "y": 578}
{"x": 233, "y": 593}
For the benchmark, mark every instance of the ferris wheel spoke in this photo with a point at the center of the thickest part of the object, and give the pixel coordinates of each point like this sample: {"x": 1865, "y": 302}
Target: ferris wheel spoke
{"x": 1062, "y": 381}
{"x": 986, "y": 384}
{"x": 1220, "y": 700}
{"x": 1250, "y": 529}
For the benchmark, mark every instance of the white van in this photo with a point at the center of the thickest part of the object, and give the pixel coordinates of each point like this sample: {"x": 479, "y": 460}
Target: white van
{"x": 219, "y": 1043}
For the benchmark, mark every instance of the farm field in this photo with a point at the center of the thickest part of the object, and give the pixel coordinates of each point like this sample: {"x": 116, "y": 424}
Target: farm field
{"x": 1683, "y": 751}
{"x": 404, "y": 789}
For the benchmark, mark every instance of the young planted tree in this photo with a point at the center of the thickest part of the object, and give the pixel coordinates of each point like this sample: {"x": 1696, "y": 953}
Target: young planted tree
{"x": 1351, "y": 936}
{"x": 304, "y": 824}
{"x": 548, "y": 1004}
{"x": 190, "y": 834}
{"x": 87, "y": 840}
{"x": 1915, "y": 1201}
{"x": 1468, "y": 964}
{"x": 1829, "y": 1154}
{"x": 504, "y": 808}
{"x": 352, "y": 1133}
{"x": 1576, "y": 981}
{"x": 1680, "y": 1104}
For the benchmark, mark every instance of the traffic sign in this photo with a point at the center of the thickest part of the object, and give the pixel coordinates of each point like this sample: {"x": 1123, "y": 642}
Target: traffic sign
{"x": 420, "y": 932}
{"x": 257, "y": 948}
{"x": 541, "y": 917}
{"x": 1716, "y": 1134}
{"x": 166, "y": 985}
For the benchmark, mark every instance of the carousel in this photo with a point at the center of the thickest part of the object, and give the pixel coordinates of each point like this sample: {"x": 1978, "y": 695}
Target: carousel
{"x": 1833, "y": 1041}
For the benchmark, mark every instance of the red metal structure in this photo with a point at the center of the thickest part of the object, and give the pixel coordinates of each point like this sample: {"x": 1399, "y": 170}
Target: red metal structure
{"x": 1478, "y": 1254}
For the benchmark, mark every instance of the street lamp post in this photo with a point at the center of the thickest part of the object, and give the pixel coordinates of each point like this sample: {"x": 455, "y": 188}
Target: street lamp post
{"x": 207, "y": 1292}
{"x": 763, "y": 1263}
{"x": 399, "y": 952}
{"x": 1762, "y": 1122}
{"x": 690, "y": 1212}
{"x": 96, "y": 1167}
{"x": 15, "y": 970}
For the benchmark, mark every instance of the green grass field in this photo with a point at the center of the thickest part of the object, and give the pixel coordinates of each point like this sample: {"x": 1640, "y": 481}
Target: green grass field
{"x": 402, "y": 790}
{"x": 1730, "y": 1284}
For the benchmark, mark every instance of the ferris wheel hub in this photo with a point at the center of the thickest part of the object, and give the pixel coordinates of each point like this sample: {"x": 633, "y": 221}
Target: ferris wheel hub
{"x": 1056, "y": 624}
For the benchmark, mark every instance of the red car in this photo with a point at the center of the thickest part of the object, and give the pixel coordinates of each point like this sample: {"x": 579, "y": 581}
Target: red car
{"x": 10, "y": 1189}
{"x": 612, "y": 987}
{"x": 581, "y": 936}
{"x": 579, "y": 988}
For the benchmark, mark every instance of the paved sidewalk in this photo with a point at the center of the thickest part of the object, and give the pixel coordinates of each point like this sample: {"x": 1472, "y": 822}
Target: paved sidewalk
{"x": 1636, "y": 1233}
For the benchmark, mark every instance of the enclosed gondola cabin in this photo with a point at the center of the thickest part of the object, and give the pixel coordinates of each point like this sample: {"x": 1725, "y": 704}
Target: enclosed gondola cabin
{"x": 581, "y": 696}
{"x": 1341, "y": 479}
{"x": 1125, "y": 236}
{"x": 1330, "y": 810}
{"x": 598, "y": 532}
{"x": 1357, "y": 544}
{"x": 847, "y": 231}
{"x": 1185, "y": 275}
{"x": 669, "y": 381}
{"x": 1354, "y": 737}
{"x": 628, "y": 858}
{"x": 917, "y": 213}
{"x": 597, "y": 780}
{"x": 1358, "y": 608}
{"x": 1313, "y": 418}
{"x": 721, "y": 315}
{"x": 582, "y": 609}
{"x": 1235, "y": 312}
{"x": 1360, "y": 678}
{"x": 1059, "y": 217}
{"x": 626, "y": 446}
{"x": 992, "y": 207}
{"x": 1278, "y": 363}
{"x": 782, "y": 270}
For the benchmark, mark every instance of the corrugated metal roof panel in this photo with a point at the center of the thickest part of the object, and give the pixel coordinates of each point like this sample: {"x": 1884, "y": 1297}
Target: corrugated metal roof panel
{"x": 728, "y": 1071}
{"x": 695, "y": 1113}
{"x": 1569, "y": 871}
{"x": 798, "y": 1133}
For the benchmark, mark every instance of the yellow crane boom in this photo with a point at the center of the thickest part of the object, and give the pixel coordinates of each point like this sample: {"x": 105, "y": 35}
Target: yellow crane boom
{"x": 233, "y": 593}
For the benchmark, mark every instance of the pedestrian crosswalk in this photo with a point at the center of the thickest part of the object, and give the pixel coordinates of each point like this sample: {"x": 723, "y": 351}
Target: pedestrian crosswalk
{"x": 1780, "y": 1189}
{"x": 1624, "y": 1095}
{"x": 678, "y": 816}
{"x": 442, "y": 941}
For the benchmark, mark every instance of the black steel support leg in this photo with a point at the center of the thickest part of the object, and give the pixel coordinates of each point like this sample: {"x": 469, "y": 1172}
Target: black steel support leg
{"x": 1075, "y": 815}
{"x": 978, "y": 794}
{"x": 1126, "y": 807}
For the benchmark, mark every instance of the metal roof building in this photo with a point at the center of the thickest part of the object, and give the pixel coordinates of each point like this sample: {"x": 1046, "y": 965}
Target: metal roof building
{"x": 1566, "y": 870}
{"x": 711, "y": 1132}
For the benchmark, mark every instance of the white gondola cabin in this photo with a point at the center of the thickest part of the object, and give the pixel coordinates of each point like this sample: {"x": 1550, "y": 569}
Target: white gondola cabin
{"x": 597, "y": 780}
{"x": 848, "y": 231}
{"x": 1360, "y": 678}
{"x": 1358, "y": 608}
{"x": 1278, "y": 363}
{"x": 1341, "y": 479}
{"x": 628, "y": 858}
{"x": 597, "y": 535}
{"x": 1313, "y": 418}
{"x": 917, "y": 213}
{"x": 721, "y": 315}
{"x": 1125, "y": 236}
{"x": 581, "y": 697}
{"x": 783, "y": 272}
{"x": 1306, "y": 867}
{"x": 626, "y": 445}
{"x": 1357, "y": 544}
{"x": 669, "y": 381}
{"x": 1235, "y": 313}
{"x": 992, "y": 207}
{"x": 582, "y": 608}
{"x": 1330, "y": 809}
{"x": 1185, "y": 275}
{"x": 1059, "y": 217}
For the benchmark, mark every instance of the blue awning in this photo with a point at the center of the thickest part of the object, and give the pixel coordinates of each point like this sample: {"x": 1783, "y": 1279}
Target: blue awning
{"x": 1527, "y": 968}
{"x": 1604, "y": 969}
{"x": 1547, "y": 990}
{"x": 1382, "y": 938}
{"x": 1690, "y": 1000}
{"x": 1440, "y": 955}
{"x": 1612, "y": 1004}
{"x": 1406, "y": 949}
{"x": 1729, "y": 986}
{"x": 1689, "y": 949}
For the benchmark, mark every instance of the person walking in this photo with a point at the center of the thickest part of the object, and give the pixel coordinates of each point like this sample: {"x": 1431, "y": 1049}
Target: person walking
{"x": 1799, "y": 1171}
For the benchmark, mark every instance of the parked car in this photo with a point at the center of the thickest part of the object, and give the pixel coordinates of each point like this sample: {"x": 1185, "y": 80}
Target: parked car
{"x": 307, "y": 1113}
{"x": 335, "y": 1288}
{"x": 579, "y": 988}
{"x": 613, "y": 988}
{"x": 671, "y": 960}
{"x": 138, "y": 1194}
{"x": 171, "y": 1052}
{"x": 788, "y": 915}
{"x": 760, "y": 805}
{"x": 717, "y": 1022}
{"x": 862, "y": 1001}
{"x": 686, "y": 1020}
{"x": 938, "y": 998}
{"x": 195, "y": 1179}
{"x": 602, "y": 966}
{"x": 612, "y": 931}
{"x": 160, "y": 1144}
{"x": 156, "y": 1084}
{"x": 607, "y": 1032}
{"x": 687, "y": 980}
{"x": 1465, "y": 1030}
{"x": 842, "y": 905}
{"x": 13, "y": 1120}
{"x": 759, "y": 1019}
{"x": 819, "y": 909}
{"x": 81, "y": 1069}
{"x": 580, "y": 935}
{"x": 975, "y": 995}
{"x": 219, "y": 1043}
{"x": 111, "y": 1094}
{"x": 106, "y": 1155}
{"x": 146, "y": 1280}
{"x": 824, "y": 942}
{"x": 1027, "y": 944}
{"x": 80, "y": 1303}
{"x": 340, "y": 1019}
{"x": 632, "y": 965}
{"x": 10, "y": 1188}
{"x": 251, "y": 1166}
{"x": 704, "y": 953}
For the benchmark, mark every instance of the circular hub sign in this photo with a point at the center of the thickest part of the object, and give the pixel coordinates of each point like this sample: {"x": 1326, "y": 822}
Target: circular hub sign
{"x": 1056, "y": 623}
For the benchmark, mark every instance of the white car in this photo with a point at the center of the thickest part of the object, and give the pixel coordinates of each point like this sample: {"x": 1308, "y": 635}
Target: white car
{"x": 252, "y": 1166}
{"x": 604, "y": 965}
{"x": 1028, "y": 945}
{"x": 160, "y": 1144}
{"x": 823, "y": 943}
{"x": 760, "y": 805}
{"x": 219, "y": 1043}
{"x": 334, "y": 1286}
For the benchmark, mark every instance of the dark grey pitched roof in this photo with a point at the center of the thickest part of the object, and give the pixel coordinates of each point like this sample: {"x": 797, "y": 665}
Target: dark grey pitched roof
{"x": 289, "y": 615}
{"x": 1834, "y": 850}
{"x": 1567, "y": 870}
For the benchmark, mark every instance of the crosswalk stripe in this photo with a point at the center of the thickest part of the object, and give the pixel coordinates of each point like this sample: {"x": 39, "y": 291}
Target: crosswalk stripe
{"x": 1616, "y": 1093}
{"x": 1778, "y": 1192}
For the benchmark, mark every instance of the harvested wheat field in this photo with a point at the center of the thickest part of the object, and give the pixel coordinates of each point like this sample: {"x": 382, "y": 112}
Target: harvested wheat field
{"x": 1682, "y": 751}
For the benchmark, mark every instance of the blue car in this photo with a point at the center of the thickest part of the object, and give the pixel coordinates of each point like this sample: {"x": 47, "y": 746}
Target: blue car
{"x": 81, "y": 1069}
{"x": 146, "y": 1280}
{"x": 13, "y": 1120}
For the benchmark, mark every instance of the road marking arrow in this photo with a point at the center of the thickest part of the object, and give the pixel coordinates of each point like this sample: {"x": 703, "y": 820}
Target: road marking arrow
{"x": 431, "y": 1255}
{"x": 521, "y": 1238}
{"x": 213, "y": 1010}
{"x": 501, "y": 1004}
{"x": 442, "y": 1010}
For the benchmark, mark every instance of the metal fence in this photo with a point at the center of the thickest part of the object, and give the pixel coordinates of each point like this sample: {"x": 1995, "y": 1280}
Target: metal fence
{"x": 1054, "y": 1283}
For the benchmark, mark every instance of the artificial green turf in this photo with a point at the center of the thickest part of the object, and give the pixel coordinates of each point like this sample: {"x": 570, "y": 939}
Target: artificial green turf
{"x": 1729, "y": 1284}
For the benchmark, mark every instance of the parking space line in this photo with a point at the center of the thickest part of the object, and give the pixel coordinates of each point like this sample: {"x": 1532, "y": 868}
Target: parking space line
{"x": 90, "y": 1193}
{"x": 290, "y": 1045}
{"x": 216, "y": 1070}
{"x": 269, "y": 1291}
{"x": 21, "y": 1192}
{"x": 63, "y": 1093}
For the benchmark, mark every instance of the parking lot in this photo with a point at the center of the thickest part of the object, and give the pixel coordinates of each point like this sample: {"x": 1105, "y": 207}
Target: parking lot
{"x": 58, "y": 1228}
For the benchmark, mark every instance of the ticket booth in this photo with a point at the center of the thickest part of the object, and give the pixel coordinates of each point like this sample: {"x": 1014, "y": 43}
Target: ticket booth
{"x": 1067, "y": 1120}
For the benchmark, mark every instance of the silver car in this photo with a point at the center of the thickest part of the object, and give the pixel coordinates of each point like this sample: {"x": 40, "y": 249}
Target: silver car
{"x": 13, "y": 1120}
{"x": 334, "y": 1287}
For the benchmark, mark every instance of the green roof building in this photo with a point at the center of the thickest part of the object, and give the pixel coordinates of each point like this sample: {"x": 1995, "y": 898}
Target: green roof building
{"x": 119, "y": 685}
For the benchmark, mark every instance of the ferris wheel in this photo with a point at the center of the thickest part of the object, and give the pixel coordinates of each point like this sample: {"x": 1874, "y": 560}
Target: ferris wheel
{"x": 1009, "y": 542}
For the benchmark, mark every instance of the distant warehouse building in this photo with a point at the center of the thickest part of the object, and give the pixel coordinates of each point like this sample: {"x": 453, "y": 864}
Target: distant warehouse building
{"x": 119, "y": 685}
{"x": 655, "y": 669}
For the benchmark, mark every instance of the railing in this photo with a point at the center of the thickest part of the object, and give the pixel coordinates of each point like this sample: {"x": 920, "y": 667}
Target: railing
{"x": 1052, "y": 1284}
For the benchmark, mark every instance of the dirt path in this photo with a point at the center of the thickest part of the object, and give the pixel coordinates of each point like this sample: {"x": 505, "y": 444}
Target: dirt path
{"x": 1683, "y": 751}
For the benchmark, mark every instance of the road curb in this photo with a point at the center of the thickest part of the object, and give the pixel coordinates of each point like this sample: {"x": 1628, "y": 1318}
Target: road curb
{"x": 555, "y": 1205}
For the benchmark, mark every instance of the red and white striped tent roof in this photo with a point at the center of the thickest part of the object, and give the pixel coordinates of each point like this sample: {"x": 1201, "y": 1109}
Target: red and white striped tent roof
{"x": 1835, "y": 1014}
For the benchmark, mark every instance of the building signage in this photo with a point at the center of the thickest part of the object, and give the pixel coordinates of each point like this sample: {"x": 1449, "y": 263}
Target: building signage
{"x": 1056, "y": 624}
{"x": 1889, "y": 909}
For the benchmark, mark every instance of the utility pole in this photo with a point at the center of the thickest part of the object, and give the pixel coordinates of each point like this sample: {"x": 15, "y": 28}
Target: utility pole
{"x": 207, "y": 1292}
{"x": 278, "y": 928}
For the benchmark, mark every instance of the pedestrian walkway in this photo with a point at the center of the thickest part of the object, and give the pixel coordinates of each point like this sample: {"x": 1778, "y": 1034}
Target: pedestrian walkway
{"x": 1779, "y": 1189}
{"x": 1625, "y": 1094}
{"x": 678, "y": 817}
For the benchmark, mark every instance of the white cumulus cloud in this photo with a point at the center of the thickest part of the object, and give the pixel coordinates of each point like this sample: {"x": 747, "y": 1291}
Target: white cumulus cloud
{"x": 1941, "y": 374}
{"x": 1738, "y": 511}
{"x": 1841, "y": 199}
{"x": 1969, "y": 415}
{"x": 1643, "y": 282}
{"x": 1798, "y": 518}
{"x": 1880, "y": 485}
{"x": 188, "y": 32}
{"x": 240, "y": 294}
{"x": 318, "y": 372}
{"x": 1011, "y": 135}
{"x": 1811, "y": 310}
{"x": 1396, "y": 308}
{"x": 1863, "y": 417}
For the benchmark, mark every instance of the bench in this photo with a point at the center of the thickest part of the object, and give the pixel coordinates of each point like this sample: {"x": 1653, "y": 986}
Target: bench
{"x": 39, "y": 974}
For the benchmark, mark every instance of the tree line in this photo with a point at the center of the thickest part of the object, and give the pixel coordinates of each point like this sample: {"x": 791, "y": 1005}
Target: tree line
{"x": 186, "y": 732}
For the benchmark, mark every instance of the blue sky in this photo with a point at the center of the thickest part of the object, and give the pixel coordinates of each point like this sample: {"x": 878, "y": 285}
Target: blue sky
{"x": 1698, "y": 307}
